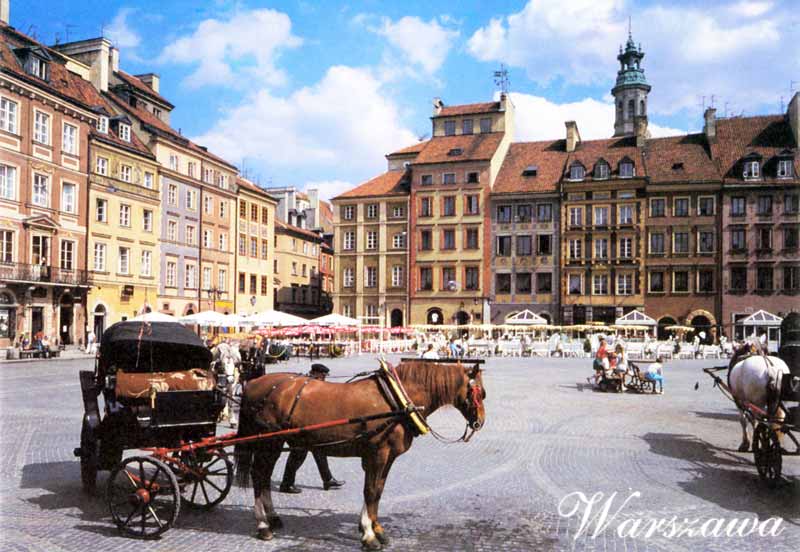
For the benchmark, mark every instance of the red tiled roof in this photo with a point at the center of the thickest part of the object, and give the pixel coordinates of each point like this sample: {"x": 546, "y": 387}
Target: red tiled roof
{"x": 468, "y": 109}
{"x": 386, "y": 184}
{"x": 282, "y": 227}
{"x": 416, "y": 148}
{"x": 474, "y": 147}
{"x": 612, "y": 150}
{"x": 738, "y": 137}
{"x": 549, "y": 157}
{"x": 244, "y": 183}
{"x": 680, "y": 159}
{"x": 139, "y": 85}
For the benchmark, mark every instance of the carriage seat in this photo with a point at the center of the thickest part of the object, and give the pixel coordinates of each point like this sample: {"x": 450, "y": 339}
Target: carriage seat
{"x": 132, "y": 385}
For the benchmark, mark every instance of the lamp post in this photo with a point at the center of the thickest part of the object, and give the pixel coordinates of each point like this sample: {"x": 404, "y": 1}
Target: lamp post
{"x": 215, "y": 293}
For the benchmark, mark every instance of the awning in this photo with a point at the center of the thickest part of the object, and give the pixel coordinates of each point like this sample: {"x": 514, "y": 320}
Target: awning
{"x": 526, "y": 318}
{"x": 635, "y": 318}
{"x": 761, "y": 318}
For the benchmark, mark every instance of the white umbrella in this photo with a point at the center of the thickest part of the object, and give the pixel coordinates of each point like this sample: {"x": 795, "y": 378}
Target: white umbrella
{"x": 233, "y": 320}
{"x": 275, "y": 318}
{"x": 205, "y": 318}
{"x": 154, "y": 317}
{"x": 334, "y": 319}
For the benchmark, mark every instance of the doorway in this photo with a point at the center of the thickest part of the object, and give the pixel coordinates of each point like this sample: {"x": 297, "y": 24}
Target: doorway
{"x": 37, "y": 321}
{"x": 65, "y": 319}
{"x": 396, "y": 318}
{"x": 462, "y": 318}
{"x": 99, "y": 321}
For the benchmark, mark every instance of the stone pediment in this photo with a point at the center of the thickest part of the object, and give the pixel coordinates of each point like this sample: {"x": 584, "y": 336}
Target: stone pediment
{"x": 41, "y": 222}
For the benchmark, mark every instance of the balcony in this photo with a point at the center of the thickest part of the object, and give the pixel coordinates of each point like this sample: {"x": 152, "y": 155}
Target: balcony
{"x": 39, "y": 274}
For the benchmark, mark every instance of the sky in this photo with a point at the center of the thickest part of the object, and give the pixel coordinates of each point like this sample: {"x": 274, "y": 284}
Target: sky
{"x": 315, "y": 94}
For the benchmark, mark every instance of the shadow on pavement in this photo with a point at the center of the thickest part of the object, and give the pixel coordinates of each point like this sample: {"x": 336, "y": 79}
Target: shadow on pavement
{"x": 731, "y": 416}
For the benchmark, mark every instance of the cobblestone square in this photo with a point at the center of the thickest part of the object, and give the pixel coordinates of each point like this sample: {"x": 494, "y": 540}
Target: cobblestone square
{"x": 547, "y": 434}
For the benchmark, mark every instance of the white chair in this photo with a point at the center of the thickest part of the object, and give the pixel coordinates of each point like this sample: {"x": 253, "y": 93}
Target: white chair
{"x": 635, "y": 351}
{"x": 686, "y": 351}
{"x": 665, "y": 350}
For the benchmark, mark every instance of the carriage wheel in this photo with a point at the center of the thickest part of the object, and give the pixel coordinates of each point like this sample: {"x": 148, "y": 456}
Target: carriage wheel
{"x": 143, "y": 497}
{"x": 767, "y": 454}
{"x": 207, "y": 479}
{"x": 89, "y": 459}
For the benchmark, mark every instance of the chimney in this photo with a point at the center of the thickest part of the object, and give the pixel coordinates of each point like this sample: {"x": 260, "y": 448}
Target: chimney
{"x": 438, "y": 104}
{"x": 5, "y": 11}
{"x": 640, "y": 130}
{"x": 710, "y": 126}
{"x": 95, "y": 53}
{"x": 794, "y": 118}
{"x": 151, "y": 80}
{"x": 113, "y": 59}
{"x": 573, "y": 135}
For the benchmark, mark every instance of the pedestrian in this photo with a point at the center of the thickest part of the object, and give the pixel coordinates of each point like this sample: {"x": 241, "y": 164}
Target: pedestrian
{"x": 298, "y": 456}
{"x": 430, "y": 353}
{"x": 655, "y": 373}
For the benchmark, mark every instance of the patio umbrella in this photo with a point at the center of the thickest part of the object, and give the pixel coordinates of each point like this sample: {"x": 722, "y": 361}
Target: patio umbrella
{"x": 275, "y": 318}
{"x": 154, "y": 317}
{"x": 205, "y": 318}
{"x": 334, "y": 319}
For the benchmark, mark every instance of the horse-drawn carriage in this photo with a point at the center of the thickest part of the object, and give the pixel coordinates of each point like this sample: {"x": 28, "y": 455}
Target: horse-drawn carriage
{"x": 773, "y": 421}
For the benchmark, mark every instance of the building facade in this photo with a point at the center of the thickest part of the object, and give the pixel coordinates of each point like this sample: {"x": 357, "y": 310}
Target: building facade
{"x": 255, "y": 254}
{"x": 297, "y": 280}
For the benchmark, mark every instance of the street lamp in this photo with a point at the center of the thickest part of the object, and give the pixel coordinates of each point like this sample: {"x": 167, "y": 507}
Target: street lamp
{"x": 215, "y": 293}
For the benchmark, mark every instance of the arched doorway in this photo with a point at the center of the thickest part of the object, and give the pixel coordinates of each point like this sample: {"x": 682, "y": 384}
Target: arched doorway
{"x": 462, "y": 318}
{"x": 99, "y": 322}
{"x": 65, "y": 319}
{"x": 546, "y": 316}
{"x": 396, "y": 318}
{"x": 661, "y": 330}
{"x": 189, "y": 310}
{"x": 702, "y": 328}
{"x": 435, "y": 316}
{"x": 8, "y": 311}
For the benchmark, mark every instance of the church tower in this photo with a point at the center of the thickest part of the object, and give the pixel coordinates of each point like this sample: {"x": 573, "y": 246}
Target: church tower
{"x": 630, "y": 92}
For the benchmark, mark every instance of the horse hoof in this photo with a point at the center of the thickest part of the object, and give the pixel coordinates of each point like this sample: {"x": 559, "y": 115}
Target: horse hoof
{"x": 382, "y": 538}
{"x": 265, "y": 534}
{"x": 275, "y": 523}
{"x": 373, "y": 544}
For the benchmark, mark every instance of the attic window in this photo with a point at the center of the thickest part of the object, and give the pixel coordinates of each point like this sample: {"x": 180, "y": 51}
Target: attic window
{"x": 455, "y": 152}
{"x": 576, "y": 172}
{"x": 125, "y": 132}
{"x": 626, "y": 169}
{"x": 677, "y": 166}
{"x": 752, "y": 170}
{"x": 38, "y": 67}
{"x": 102, "y": 125}
{"x": 601, "y": 170}
{"x": 530, "y": 170}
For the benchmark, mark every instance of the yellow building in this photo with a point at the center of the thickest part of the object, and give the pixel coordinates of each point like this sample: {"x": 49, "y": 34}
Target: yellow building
{"x": 255, "y": 253}
{"x": 297, "y": 280}
{"x": 124, "y": 223}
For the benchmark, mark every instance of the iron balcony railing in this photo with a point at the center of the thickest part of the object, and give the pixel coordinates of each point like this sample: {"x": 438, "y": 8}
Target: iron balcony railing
{"x": 22, "y": 272}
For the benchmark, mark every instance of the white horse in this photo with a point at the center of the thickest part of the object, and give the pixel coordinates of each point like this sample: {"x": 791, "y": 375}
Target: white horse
{"x": 757, "y": 380}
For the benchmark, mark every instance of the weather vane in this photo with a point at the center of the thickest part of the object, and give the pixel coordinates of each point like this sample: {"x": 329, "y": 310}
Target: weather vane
{"x": 501, "y": 79}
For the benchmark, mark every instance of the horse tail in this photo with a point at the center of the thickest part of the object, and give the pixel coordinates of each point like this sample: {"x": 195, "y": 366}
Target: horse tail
{"x": 243, "y": 452}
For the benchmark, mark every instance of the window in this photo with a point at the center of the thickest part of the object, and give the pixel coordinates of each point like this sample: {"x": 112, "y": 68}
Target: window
{"x": 208, "y": 204}
{"x": 705, "y": 206}
{"x": 544, "y": 244}
{"x": 764, "y": 234}
{"x": 8, "y": 115}
{"x": 41, "y": 186}
{"x": 472, "y": 238}
{"x": 601, "y": 216}
{"x": 524, "y": 246}
{"x": 425, "y": 207}
{"x": 397, "y": 276}
{"x": 523, "y": 213}
{"x": 191, "y": 200}
{"x": 504, "y": 214}
{"x": 399, "y": 240}
{"x": 254, "y": 247}
{"x": 173, "y": 162}
{"x": 752, "y": 170}
{"x": 372, "y": 211}
{"x": 426, "y": 180}
{"x": 680, "y": 281}
{"x": 101, "y": 210}
{"x": 264, "y": 249}
{"x": 624, "y": 284}
{"x": 348, "y": 212}
{"x": 275, "y": 265}
{"x": 656, "y": 282}
{"x": 576, "y": 171}
{"x": 791, "y": 204}
{"x": 398, "y": 211}
{"x": 448, "y": 239}
{"x": 600, "y": 284}
{"x": 466, "y": 126}
{"x": 253, "y": 284}
{"x": 473, "y": 177}
{"x": 523, "y": 282}
{"x": 657, "y": 206}
{"x": 575, "y": 249}
{"x": 294, "y": 268}
{"x": 172, "y": 194}
{"x": 425, "y": 241}
{"x": 190, "y": 236}
{"x": 147, "y": 220}
{"x": 471, "y": 205}
{"x": 349, "y": 242}
{"x": 705, "y": 281}
{"x": 126, "y": 173}
{"x": 738, "y": 239}
{"x": 764, "y": 278}
{"x": 243, "y": 209}
{"x": 657, "y": 244}
{"x": 790, "y": 237}
{"x": 626, "y": 214}
{"x": 426, "y": 278}
{"x": 208, "y": 175}
{"x": 601, "y": 248}
{"x": 738, "y": 206}
{"x": 449, "y": 282}
{"x": 705, "y": 242}
{"x": 625, "y": 248}
{"x": 69, "y": 139}
{"x": 738, "y": 278}
{"x": 449, "y": 206}
{"x": 785, "y": 168}
{"x": 172, "y": 274}
{"x": 449, "y": 128}
{"x": 100, "y": 257}
{"x": 124, "y": 260}
{"x": 148, "y": 180}
{"x": 6, "y": 246}
{"x": 503, "y": 283}
{"x": 791, "y": 278}
{"x": 764, "y": 205}
{"x": 124, "y": 215}
{"x": 8, "y": 182}
{"x": 41, "y": 127}
{"x": 68, "y": 199}
{"x": 254, "y": 212}
{"x": 486, "y": 124}
{"x": 503, "y": 246}
{"x": 372, "y": 239}
{"x": 102, "y": 124}
{"x": 575, "y": 284}
{"x": 680, "y": 243}
{"x": 471, "y": 278}
{"x": 147, "y": 263}
{"x": 576, "y": 216}
{"x": 601, "y": 170}
{"x": 544, "y": 282}
{"x": 544, "y": 212}
{"x": 449, "y": 178}
{"x": 67, "y": 255}
{"x": 681, "y": 207}
{"x": 348, "y": 277}
{"x": 172, "y": 230}
{"x": 208, "y": 239}
{"x": 627, "y": 170}
{"x": 242, "y": 282}
{"x": 125, "y": 132}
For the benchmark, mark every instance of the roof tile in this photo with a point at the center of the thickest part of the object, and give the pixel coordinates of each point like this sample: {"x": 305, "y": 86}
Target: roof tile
{"x": 474, "y": 147}
{"x": 468, "y": 109}
{"x": 387, "y": 184}
{"x": 549, "y": 158}
{"x": 680, "y": 159}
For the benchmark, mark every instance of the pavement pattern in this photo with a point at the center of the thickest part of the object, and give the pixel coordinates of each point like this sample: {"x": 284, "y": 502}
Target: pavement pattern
{"x": 547, "y": 435}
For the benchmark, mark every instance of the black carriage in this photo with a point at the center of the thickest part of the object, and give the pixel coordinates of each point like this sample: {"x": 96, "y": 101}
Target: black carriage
{"x": 158, "y": 390}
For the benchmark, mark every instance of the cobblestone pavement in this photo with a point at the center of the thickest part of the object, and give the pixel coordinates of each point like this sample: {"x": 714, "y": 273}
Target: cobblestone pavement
{"x": 547, "y": 435}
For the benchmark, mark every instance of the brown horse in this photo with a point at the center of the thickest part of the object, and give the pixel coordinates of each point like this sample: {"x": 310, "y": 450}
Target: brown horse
{"x": 270, "y": 403}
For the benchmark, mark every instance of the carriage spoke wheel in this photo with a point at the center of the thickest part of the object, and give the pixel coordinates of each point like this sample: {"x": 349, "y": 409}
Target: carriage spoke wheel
{"x": 207, "y": 479}
{"x": 143, "y": 497}
{"x": 767, "y": 454}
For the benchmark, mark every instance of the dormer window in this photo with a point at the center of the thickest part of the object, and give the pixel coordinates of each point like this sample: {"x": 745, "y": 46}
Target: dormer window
{"x": 785, "y": 168}
{"x": 455, "y": 152}
{"x": 576, "y": 172}
{"x": 38, "y": 68}
{"x": 531, "y": 170}
{"x": 125, "y": 132}
{"x": 752, "y": 170}
{"x": 449, "y": 128}
{"x": 626, "y": 169}
{"x": 601, "y": 170}
{"x": 102, "y": 125}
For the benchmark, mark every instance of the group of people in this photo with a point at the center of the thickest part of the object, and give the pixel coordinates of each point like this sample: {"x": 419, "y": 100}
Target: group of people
{"x": 613, "y": 364}
{"x": 40, "y": 342}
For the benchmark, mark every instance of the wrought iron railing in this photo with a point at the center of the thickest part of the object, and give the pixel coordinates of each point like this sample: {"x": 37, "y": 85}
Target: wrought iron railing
{"x": 22, "y": 272}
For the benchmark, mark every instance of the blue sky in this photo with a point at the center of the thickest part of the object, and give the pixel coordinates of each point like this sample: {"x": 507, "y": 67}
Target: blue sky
{"x": 314, "y": 94}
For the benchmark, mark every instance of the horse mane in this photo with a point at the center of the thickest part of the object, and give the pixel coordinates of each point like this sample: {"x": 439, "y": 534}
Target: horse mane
{"x": 441, "y": 380}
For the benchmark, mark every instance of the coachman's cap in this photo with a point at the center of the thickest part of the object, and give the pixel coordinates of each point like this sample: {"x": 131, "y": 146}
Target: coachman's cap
{"x": 320, "y": 369}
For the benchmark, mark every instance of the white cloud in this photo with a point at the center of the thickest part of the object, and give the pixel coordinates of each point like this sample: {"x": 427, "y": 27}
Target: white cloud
{"x": 342, "y": 125}
{"x": 538, "y": 118}
{"x": 120, "y": 33}
{"x": 241, "y": 48}
{"x": 328, "y": 188}
{"x": 423, "y": 44}
{"x": 689, "y": 51}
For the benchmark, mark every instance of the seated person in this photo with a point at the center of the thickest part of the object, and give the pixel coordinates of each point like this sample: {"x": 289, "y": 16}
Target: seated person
{"x": 430, "y": 353}
{"x": 655, "y": 374}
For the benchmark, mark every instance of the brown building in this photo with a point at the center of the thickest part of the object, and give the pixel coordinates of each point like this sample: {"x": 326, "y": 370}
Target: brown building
{"x": 297, "y": 277}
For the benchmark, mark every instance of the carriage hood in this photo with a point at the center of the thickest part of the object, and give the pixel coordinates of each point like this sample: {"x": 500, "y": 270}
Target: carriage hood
{"x": 152, "y": 347}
